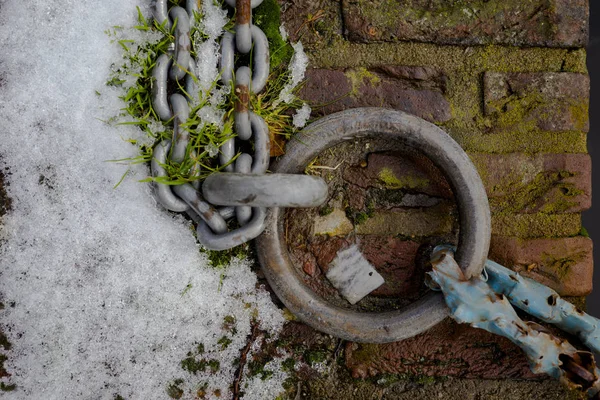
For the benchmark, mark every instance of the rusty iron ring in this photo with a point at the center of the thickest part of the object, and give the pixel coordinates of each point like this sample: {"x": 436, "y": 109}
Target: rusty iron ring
{"x": 473, "y": 209}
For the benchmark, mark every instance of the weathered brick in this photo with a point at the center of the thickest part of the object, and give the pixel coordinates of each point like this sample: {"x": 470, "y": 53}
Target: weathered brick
{"x": 416, "y": 90}
{"x": 565, "y": 264}
{"x": 547, "y": 23}
{"x": 394, "y": 170}
{"x": 515, "y": 182}
{"x": 548, "y": 183}
{"x": 448, "y": 349}
{"x": 547, "y": 101}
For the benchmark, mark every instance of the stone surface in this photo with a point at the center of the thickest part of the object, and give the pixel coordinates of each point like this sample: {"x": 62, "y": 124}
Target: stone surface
{"x": 416, "y": 90}
{"x": 547, "y": 183}
{"x": 565, "y": 264}
{"x": 547, "y": 101}
{"x": 545, "y": 23}
{"x": 448, "y": 349}
{"x": 334, "y": 224}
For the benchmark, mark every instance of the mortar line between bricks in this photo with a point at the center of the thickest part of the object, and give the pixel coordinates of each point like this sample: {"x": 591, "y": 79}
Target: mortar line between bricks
{"x": 343, "y": 54}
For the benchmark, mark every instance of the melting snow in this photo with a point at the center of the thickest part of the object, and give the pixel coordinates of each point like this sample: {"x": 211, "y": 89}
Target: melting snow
{"x": 297, "y": 68}
{"x": 110, "y": 292}
{"x": 302, "y": 115}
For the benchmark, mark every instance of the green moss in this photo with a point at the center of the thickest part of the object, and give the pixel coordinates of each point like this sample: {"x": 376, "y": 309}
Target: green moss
{"x": 584, "y": 232}
{"x": 288, "y": 364}
{"x": 214, "y": 365}
{"x": 192, "y": 365}
{"x": 575, "y": 61}
{"x": 515, "y": 112}
{"x": 536, "y": 225}
{"x": 312, "y": 357}
{"x": 356, "y": 217}
{"x": 267, "y": 17}
{"x": 173, "y": 389}
{"x": 4, "y": 341}
{"x": 562, "y": 265}
{"x": 465, "y": 67}
{"x": 7, "y": 388}
{"x": 526, "y": 196}
{"x": 360, "y": 218}
{"x": 325, "y": 211}
{"x": 359, "y": 77}
{"x": 580, "y": 113}
{"x": 257, "y": 368}
{"x": 391, "y": 181}
{"x": 224, "y": 342}
{"x": 366, "y": 353}
{"x": 221, "y": 259}
{"x": 513, "y": 142}
{"x": 229, "y": 324}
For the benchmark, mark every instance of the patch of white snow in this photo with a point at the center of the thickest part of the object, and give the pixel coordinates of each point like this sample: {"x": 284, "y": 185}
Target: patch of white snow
{"x": 110, "y": 292}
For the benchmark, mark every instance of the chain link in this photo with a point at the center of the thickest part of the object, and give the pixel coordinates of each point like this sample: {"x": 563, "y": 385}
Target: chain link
{"x": 178, "y": 64}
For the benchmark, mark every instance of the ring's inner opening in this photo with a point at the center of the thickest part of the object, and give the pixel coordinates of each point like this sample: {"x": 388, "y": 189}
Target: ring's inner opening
{"x": 391, "y": 202}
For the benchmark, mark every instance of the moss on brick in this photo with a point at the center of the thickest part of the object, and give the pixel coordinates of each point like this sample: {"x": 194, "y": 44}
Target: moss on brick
{"x": 562, "y": 265}
{"x": 391, "y": 181}
{"x": 528, "y": 194}
{"x": 536, "y": 225}
{"x": 465, "y": 67}
{"x": 575, "y": 61}
{"x": 357, "y": 78}
{"x": 511, "y": 142}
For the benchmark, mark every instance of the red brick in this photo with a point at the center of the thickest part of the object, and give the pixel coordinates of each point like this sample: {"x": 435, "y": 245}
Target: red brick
{"x": 564, "y": 264}
{"x": 544, "y": 23}
{"x": 448, "y": 349}
{"x": 548, "y": 101}
{"x": 515, "y": 182}
{"x": 393, "y": 258}
{"x": 548, "y": 183}
{"x": 416, "y": 90}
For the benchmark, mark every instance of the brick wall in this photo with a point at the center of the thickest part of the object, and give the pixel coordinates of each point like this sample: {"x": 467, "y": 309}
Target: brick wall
{"x": 508, "y": 81}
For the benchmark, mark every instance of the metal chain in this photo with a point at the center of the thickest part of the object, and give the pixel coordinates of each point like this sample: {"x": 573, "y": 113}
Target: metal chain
{"x": 487, "y": 305}
{"x": 177, "y": 65}
{"x": 258, "y": 193}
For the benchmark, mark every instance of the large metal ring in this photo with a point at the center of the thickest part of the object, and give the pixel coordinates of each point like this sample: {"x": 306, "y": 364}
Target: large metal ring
{"x": 474, "y": 215}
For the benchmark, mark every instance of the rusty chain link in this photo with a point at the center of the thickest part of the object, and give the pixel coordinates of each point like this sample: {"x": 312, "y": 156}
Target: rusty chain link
{"x": 178, "y": 64}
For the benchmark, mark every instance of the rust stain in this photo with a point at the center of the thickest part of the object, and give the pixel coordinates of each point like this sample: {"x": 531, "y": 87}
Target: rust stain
{"x": 242, "y": 98}
{"x": 243, "y": 12}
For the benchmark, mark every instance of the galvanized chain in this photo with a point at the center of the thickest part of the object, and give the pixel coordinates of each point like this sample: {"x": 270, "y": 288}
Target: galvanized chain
{"x": 177, "y": 65}
{"x": 250, "y": 208}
